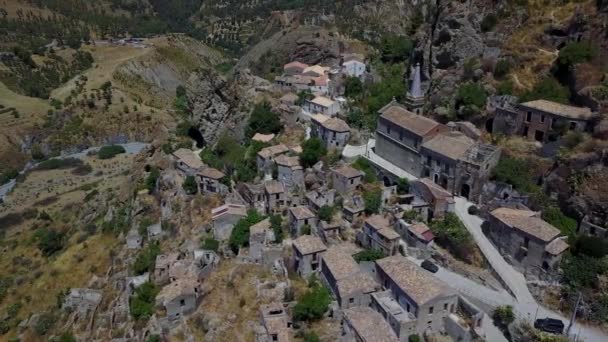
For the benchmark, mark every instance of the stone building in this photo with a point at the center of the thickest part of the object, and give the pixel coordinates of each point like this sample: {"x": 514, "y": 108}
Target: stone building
{"x": 417, "y": 234}
{"x": 266, "y": 156}
{"x": 323, "y": 105}
{"x": 540, "y": 120}
{"x": 362, "y": 324}
{"x": 333, "y": 132}
{"x": 354, "y": 66}
{"x": 253, "y": 195}
{"x": 329, "y": 231}
{"x": 529, "y": 241}
{"x": 275, "y": 197}
{"x": 378, "y": 234}
{"x": 225, "y": 217}
{"x": 134, "y": 239}
{"x": 307, "y": 252}
{"x": 346, "y": 178}
{"x": 299, "y": 217}
{"x": 276, "y": 323}
{"x": 187, "y": 161}
{"x": 261, "y": 244}
{"x": 320, "y": 197}
{"x": 290, "y": 172}
{"x": 414, "y": 301}
{"x": 349, "y": 284}
{"x": 353, "y": 208}
{"x": 294, "y": 68}
{"x": 179, "y": 298}
{"x": 414, "y": 98}
{"x": 440, "y": 200}
{"x": 210, "y": 181}
{"x": 162, "y": 267}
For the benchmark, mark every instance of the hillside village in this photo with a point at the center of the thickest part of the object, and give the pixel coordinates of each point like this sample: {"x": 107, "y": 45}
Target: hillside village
{"x": 308, "y": 182}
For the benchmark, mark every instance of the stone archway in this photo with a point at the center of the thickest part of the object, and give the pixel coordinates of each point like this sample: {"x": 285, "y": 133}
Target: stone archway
{"x": 465, "y": 190}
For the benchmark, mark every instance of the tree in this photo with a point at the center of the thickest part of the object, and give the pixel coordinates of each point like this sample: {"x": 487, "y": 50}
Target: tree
{"x": 263, "y": 120}
{"x": 549, "y": 89}
{"x": 190, "y": 185}
{"x": 556, "y": 217}
{"x": 403, "y": 186}
{"x": 108, "y": 152}
{"x": 395, "y": 48}
{"x": 576, "y": 52}
{"x": 146, "y": 259}
{"x": 326, "y": 212}
{"x": 311, "y": 336}
{"x": 210, "y": 244}
{"x": 304, "y": 95}
{"x": 143, "y": 301}
{"x": 414, "y": 338}
{"x": 503, "y": 316}
{"x": 312, "y": 305}
{"x": 364, "y": 165}
{"x": 451, "y": 233}
{"x": 276, "y": 223}
{"x": 49, "y": 241}
{"x": 471, "y": 94}
{"x": 353, "y": 87}
{"x": 590, "y": 246}
{"x": 152, "y": 178}
{"x": 368, "y": 255}
{"x": 373, "y": 201}
{"x": 239, "y": 236}
{"x": 312, "y": 150}
{"x": 502, "y": 68}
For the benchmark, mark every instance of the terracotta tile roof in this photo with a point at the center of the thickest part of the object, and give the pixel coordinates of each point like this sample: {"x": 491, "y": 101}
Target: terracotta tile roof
{"x": 272, "y": 151}
{"x": 377, "y": 222}
{"x": 308, "y": 244}
{"x": 335, "y": 124}
{"x": 557, "y": 246}
{"x": 339, "y": 263}
{"x": 348, "y": 171}
{"x": 323, "y": 101}
{"x": 189, "y": 158}
{"x": 301, "y": 212}
{"x": 317, "y": 69}
{"x": 319, "y": 118}
{"x": 528, "y": 222}
{"x": 291, "y": 162}
{"x": 414, "y": 123}
{"x": 422, "y": 231}
{"x": 209, "y": 172}
{"x": 369, "y": 325}
{"x": 360, "y": 282}
{"x": 295, "y": 64}
{"x": 453, "y": 145}
{"x": 559, "y": 109}
{"x": 417, "y": 283}
{"x": 260, "y": 227}
{"x": 274, "y": 187}
{"x": 263, "y": 137}
{"x": 180, "y": 287}
{"x": 434, "y": 190}
{"x": 321, "y": 80}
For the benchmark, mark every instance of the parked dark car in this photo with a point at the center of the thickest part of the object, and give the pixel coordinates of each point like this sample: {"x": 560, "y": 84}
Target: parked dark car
{"x": 550, "y": 325}
{"x": 429, "y": 266}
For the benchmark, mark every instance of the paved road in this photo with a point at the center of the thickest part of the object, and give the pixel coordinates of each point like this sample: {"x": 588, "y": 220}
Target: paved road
{"x": 524, "y": 305}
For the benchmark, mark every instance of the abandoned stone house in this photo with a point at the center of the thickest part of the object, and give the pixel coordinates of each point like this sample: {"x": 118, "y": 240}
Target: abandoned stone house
{"x": 329, "y": 231}
{"x": 353, "y": 207}
{"x": 307, "y": 252}
{"x": 591, "y": 229}
{"x": 540, "y": 120}
{"x": 266, "y": 156}
{"x": 155, "y": 231}
{"x": 261, "y": 236}
{"x": 425, "y": 148}
{"x": 263, "y": 138}
{"x": 253, "y": 195}
{"x": 349, "y": 284}
{"x": 334, "y": 132}
{"x": 320, "y": 197}
{"x": 82, "y": 302}
{"x": 465, "y": 127}
{"x": 322, "y": 105}
{"x": 378, "y": 234}
{"x": 353, "y": 66}
{"x": 414, "y": 301}
{"x": 187, "y": 161}
{"x": 346, "y": 178}
{"x": 162, "y": 267}
{"x": 179, "y": 298}
{"x": 210, "y": 181}
{"x": 440, "y": 200}
{"x": 294, "y": 68}
{"x": 275, "y": 197}
{"x": 290, "y": 172}
{"x": 363, "y": 324}
{"x": 416, "y": 234}
{"x": 134, "y": 239}
{"x": 529, "y": 241}
{"x": 224, "y": 218}
{"x": 299, "y": 217}
{"x": 276, "y": 323}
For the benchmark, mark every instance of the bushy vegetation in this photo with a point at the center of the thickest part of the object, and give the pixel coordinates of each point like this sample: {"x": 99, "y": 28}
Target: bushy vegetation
{"x": 239, "y": 237}
{"x": 489, "y": 22}
{"x": 7, "y": 175}
{"x": 108, "y": 152}
{"x": 451, "y": 233}
{"x": 515, "y": 171}
{"x": 49, "y": 241}
{"x": 313, "y": 304}
{"x": 353, "y": 87}
{"x": 143, "y": 301}
{"x": 395, "y": 48}
{"x": 146, "y": 259}
{"x": 326, "y": 213}
{"x": 58, "y": 164}
{"x": 366, "y": 167}
{"x": 312, "y": 151}
{"x": 152, "y": 178}
{"x": 503, "y": 316}
{"x": 403, "y": 186}
{"x": 46, "y": 322}
{"x": 590, "y": 246}
{"x": 559, "y": 220}
{"x": 547, "y": 88}
{"x": 502, "y": 68}
{"x": 263, "y": 120}
{"x": 210, "y": 244}
{"x": 576, "y": 52}
{"x": 190, "y": 186}
{"x": 373, "y": 201}
{"x": 276, "y": 223}
{"x": 470, "y": 99}
{"x": 368, "y": 255}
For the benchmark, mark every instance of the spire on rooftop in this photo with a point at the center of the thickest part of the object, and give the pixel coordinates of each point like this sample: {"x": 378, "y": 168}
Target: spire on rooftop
{"x": 416, "y": 87}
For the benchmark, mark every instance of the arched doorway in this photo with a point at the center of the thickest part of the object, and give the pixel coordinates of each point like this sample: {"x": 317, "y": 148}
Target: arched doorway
{"x": 386, "y": 181}
{"x": 465, "y": 190}
{"x": 197, "y": 136}
{"x": 436, "y": 178}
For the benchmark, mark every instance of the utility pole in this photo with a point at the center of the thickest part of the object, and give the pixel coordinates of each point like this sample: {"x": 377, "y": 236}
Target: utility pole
{"x": 573, "y": 317}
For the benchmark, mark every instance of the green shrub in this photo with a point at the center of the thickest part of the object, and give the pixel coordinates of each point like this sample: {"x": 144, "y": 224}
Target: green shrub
{"x": 49, "y": 241}
{"x": 576, "y": 52}
{"x": 45, "y": 323}
{"x": 108, "y": 152}
{"x": 368, "y": 255}
{"x": 312, "y": 151}
{"x": 190, "y": 185}
{"x": 515, "y": 171}
{"x": 403, "y": 186}
{"x": 143, "y": 301}
{"x": 353, "y": 87}
{"x": 583, "y": 271}
{"x": 276, "y": 222}
{"x": 211, "y": 244}
{"x": 503, "y": 316}
{"x": 263, "y": 120}
{"x": 502, "y": 68}
{"x": 146, "y": 259}
{"x": 365, "y": 165}
{"x": 152, "y": 178}
{"x": 471, "y": 94}
{"x": 395, "y": 48}
{"x": 505, "y": 88}
{"x": 311, "y": 336}
{"x": 414, "y": 338}
{"x": 489, "y": 22}
{"x": 306, "y": 230}
{"x": 239, "y": 236}
{"x": 326, "y": 212}
{"x": 7, "y": 175}
{"x": 451, "y": 233}
{"x": 312, "y": 305}
{"x": 547, "y": 88}
{"x": 590, "y": 246}
{"x": 556, "y": 217}
{"x": 373, "y": 201}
